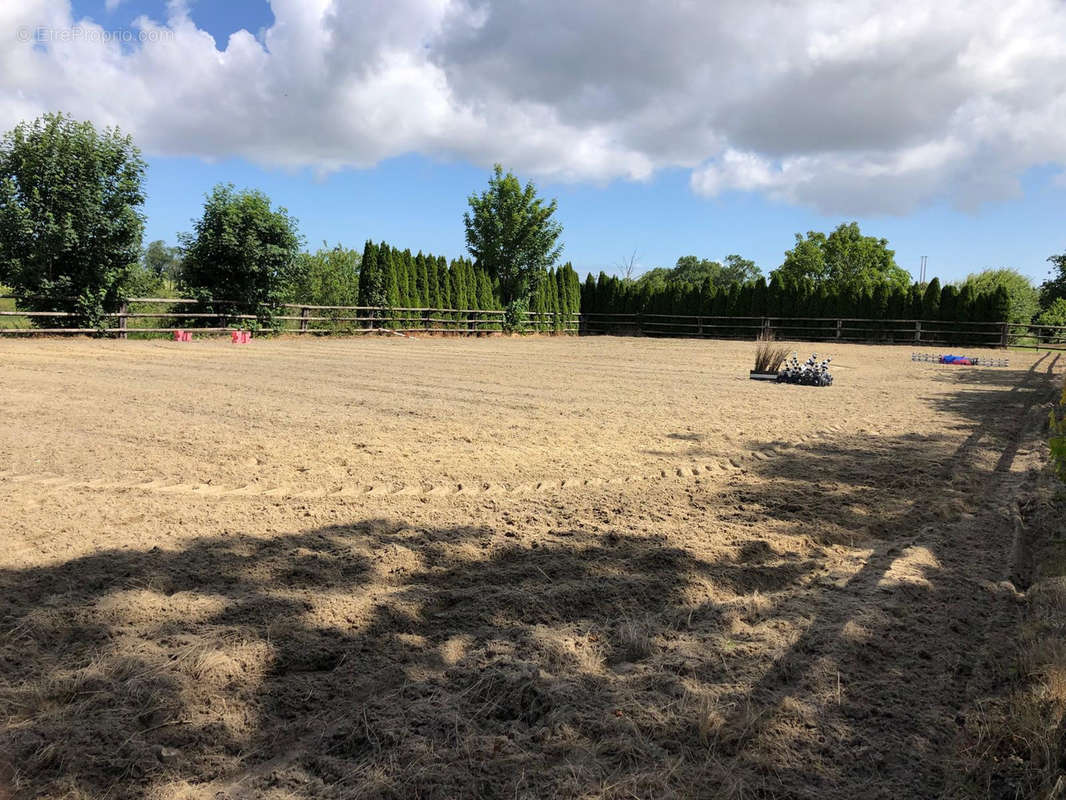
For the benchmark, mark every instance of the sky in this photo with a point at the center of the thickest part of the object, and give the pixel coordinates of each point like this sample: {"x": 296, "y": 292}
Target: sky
{"x": 662, "y": 128}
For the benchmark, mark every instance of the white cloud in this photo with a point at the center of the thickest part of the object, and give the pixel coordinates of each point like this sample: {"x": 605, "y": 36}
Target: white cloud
{"x": 850, "y": 107}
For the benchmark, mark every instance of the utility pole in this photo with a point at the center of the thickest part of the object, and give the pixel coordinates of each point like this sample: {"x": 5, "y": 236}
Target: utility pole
{"x": 922, "y": 278}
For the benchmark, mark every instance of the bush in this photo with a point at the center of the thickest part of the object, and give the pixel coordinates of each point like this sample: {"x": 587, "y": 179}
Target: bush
{"x": 514, "y": 315}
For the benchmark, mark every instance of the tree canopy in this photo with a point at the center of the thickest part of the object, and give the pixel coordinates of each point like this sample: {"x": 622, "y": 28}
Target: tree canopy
{"x": 511, "y": 234}
{"x": 241, "y": 254}
{"x": 162, "y": 261}
{"x": 1023, "y": 298}
{"x": 70, "y": 219}
{"x": 695, "y": 271}
{"x": 328, "y": 277}
{"x": 845, "y": 258}
{"x": 1055, "y": 286}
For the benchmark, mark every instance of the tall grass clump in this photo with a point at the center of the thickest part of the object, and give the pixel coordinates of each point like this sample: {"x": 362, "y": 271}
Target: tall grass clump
{"x": 768, "y": 354}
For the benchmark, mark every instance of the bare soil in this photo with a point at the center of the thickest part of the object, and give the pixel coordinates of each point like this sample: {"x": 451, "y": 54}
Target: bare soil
{"x": 443, "y": 568}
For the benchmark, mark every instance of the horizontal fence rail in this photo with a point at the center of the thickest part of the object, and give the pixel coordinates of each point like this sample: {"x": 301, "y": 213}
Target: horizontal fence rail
{"x": 154, "y": 316}
{"x": 841, "y": 329}
{"x": 173, "y": 314}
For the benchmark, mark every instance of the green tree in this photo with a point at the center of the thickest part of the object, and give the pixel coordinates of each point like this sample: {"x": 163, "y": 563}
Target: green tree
{"x": 844, "y": 258}
{"x": 371, "y": 279}
{"x": 422, "y": 280}
{"x": 328, "y": 277}
{"x": 389, "y": 261}
{"x": 689, "y": 270}
{"x": 1023, "y": 298}
{"x": 242, "y": 254}
{"x": 739, "y": 270}
{"x": 511, "y": 234}
{"x": 694, "y": 271}
{"x": 70, "y": 219}
{"x": 931, "y": 300}
{"x": 949, "y": 302}
{"x": 1055, "y": 314}
{"x": 162, "y": 261}
{"x": 1055, "y": 286}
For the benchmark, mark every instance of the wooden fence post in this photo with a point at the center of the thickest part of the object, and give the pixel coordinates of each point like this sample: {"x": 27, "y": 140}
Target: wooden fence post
{"x": 123, "y": 310}
{"x": 840, "y": 326}
{"x": 305, "y": 312}
{"x": 1005, "y": 337}
{"x": 917, "y": 332}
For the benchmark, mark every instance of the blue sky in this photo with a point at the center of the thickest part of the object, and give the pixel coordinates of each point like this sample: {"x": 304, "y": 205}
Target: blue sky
{"x": 709, "y": 185}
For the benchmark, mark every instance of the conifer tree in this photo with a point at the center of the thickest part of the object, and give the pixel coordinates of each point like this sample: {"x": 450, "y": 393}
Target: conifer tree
{"x": 949, "y": 302}
{"x": 914, "y": 301}
{"x": 589, "y": 300}
{"x": 371, "y": 279}
{"x": 457, "y": 289}
{"x": 575, "y": 289}
{"x": 392, "y": 283}
{"x": 421, "y": 280}
{"x": 931, "y": 300}
{"x": 553, "y": 299}
{"x": 444, "y": 290}
{"x": 432, "y": 282}
{"x": 562, "y": 283}
{"x": 410, "y": 295}
{"x": 484, "y": 297}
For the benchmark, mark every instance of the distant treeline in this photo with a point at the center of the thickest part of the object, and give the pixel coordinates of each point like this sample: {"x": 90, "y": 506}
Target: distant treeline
{"x": 609, "y": 294}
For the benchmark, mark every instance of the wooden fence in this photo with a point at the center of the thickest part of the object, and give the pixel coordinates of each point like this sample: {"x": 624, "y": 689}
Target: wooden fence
{"x": 172, "y": 314}
{"x": 839, "y": 329}
{"x": 161, "y": 315}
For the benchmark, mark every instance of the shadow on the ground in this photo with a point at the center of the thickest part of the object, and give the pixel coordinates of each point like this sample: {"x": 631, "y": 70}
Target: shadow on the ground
{"x": 379, "y": 659}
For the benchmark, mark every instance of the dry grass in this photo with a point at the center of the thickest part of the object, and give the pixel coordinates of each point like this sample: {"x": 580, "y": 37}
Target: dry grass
{"x": 1016, "y": 739}
{"x": 769, "y": 356}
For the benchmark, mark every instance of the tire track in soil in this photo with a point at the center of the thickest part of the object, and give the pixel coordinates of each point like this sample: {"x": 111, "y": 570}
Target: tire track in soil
{"x": 735, "y": 462}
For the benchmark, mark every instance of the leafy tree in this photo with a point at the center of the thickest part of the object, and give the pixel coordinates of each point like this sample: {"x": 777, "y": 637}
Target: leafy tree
{"x": 695, "y": 271}
{"x": 70, "y": 220}
{"x": 844, "y": 258}
{"x": 1024, "y": 300}
{"x": 1055, "y": 314}
{"x": 328, "y": 277}
{"x": 692, "y": 270}
{"x": 738, "y": 270}
{"x": 511, "y": 234}
{"x": 162, "y": 261}
{"x": 1055, "y": 286}
{"x": 242, "y": 254}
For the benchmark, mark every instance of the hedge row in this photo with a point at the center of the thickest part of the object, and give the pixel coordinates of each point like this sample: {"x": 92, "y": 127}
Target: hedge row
{"x": 610, "y": 295}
